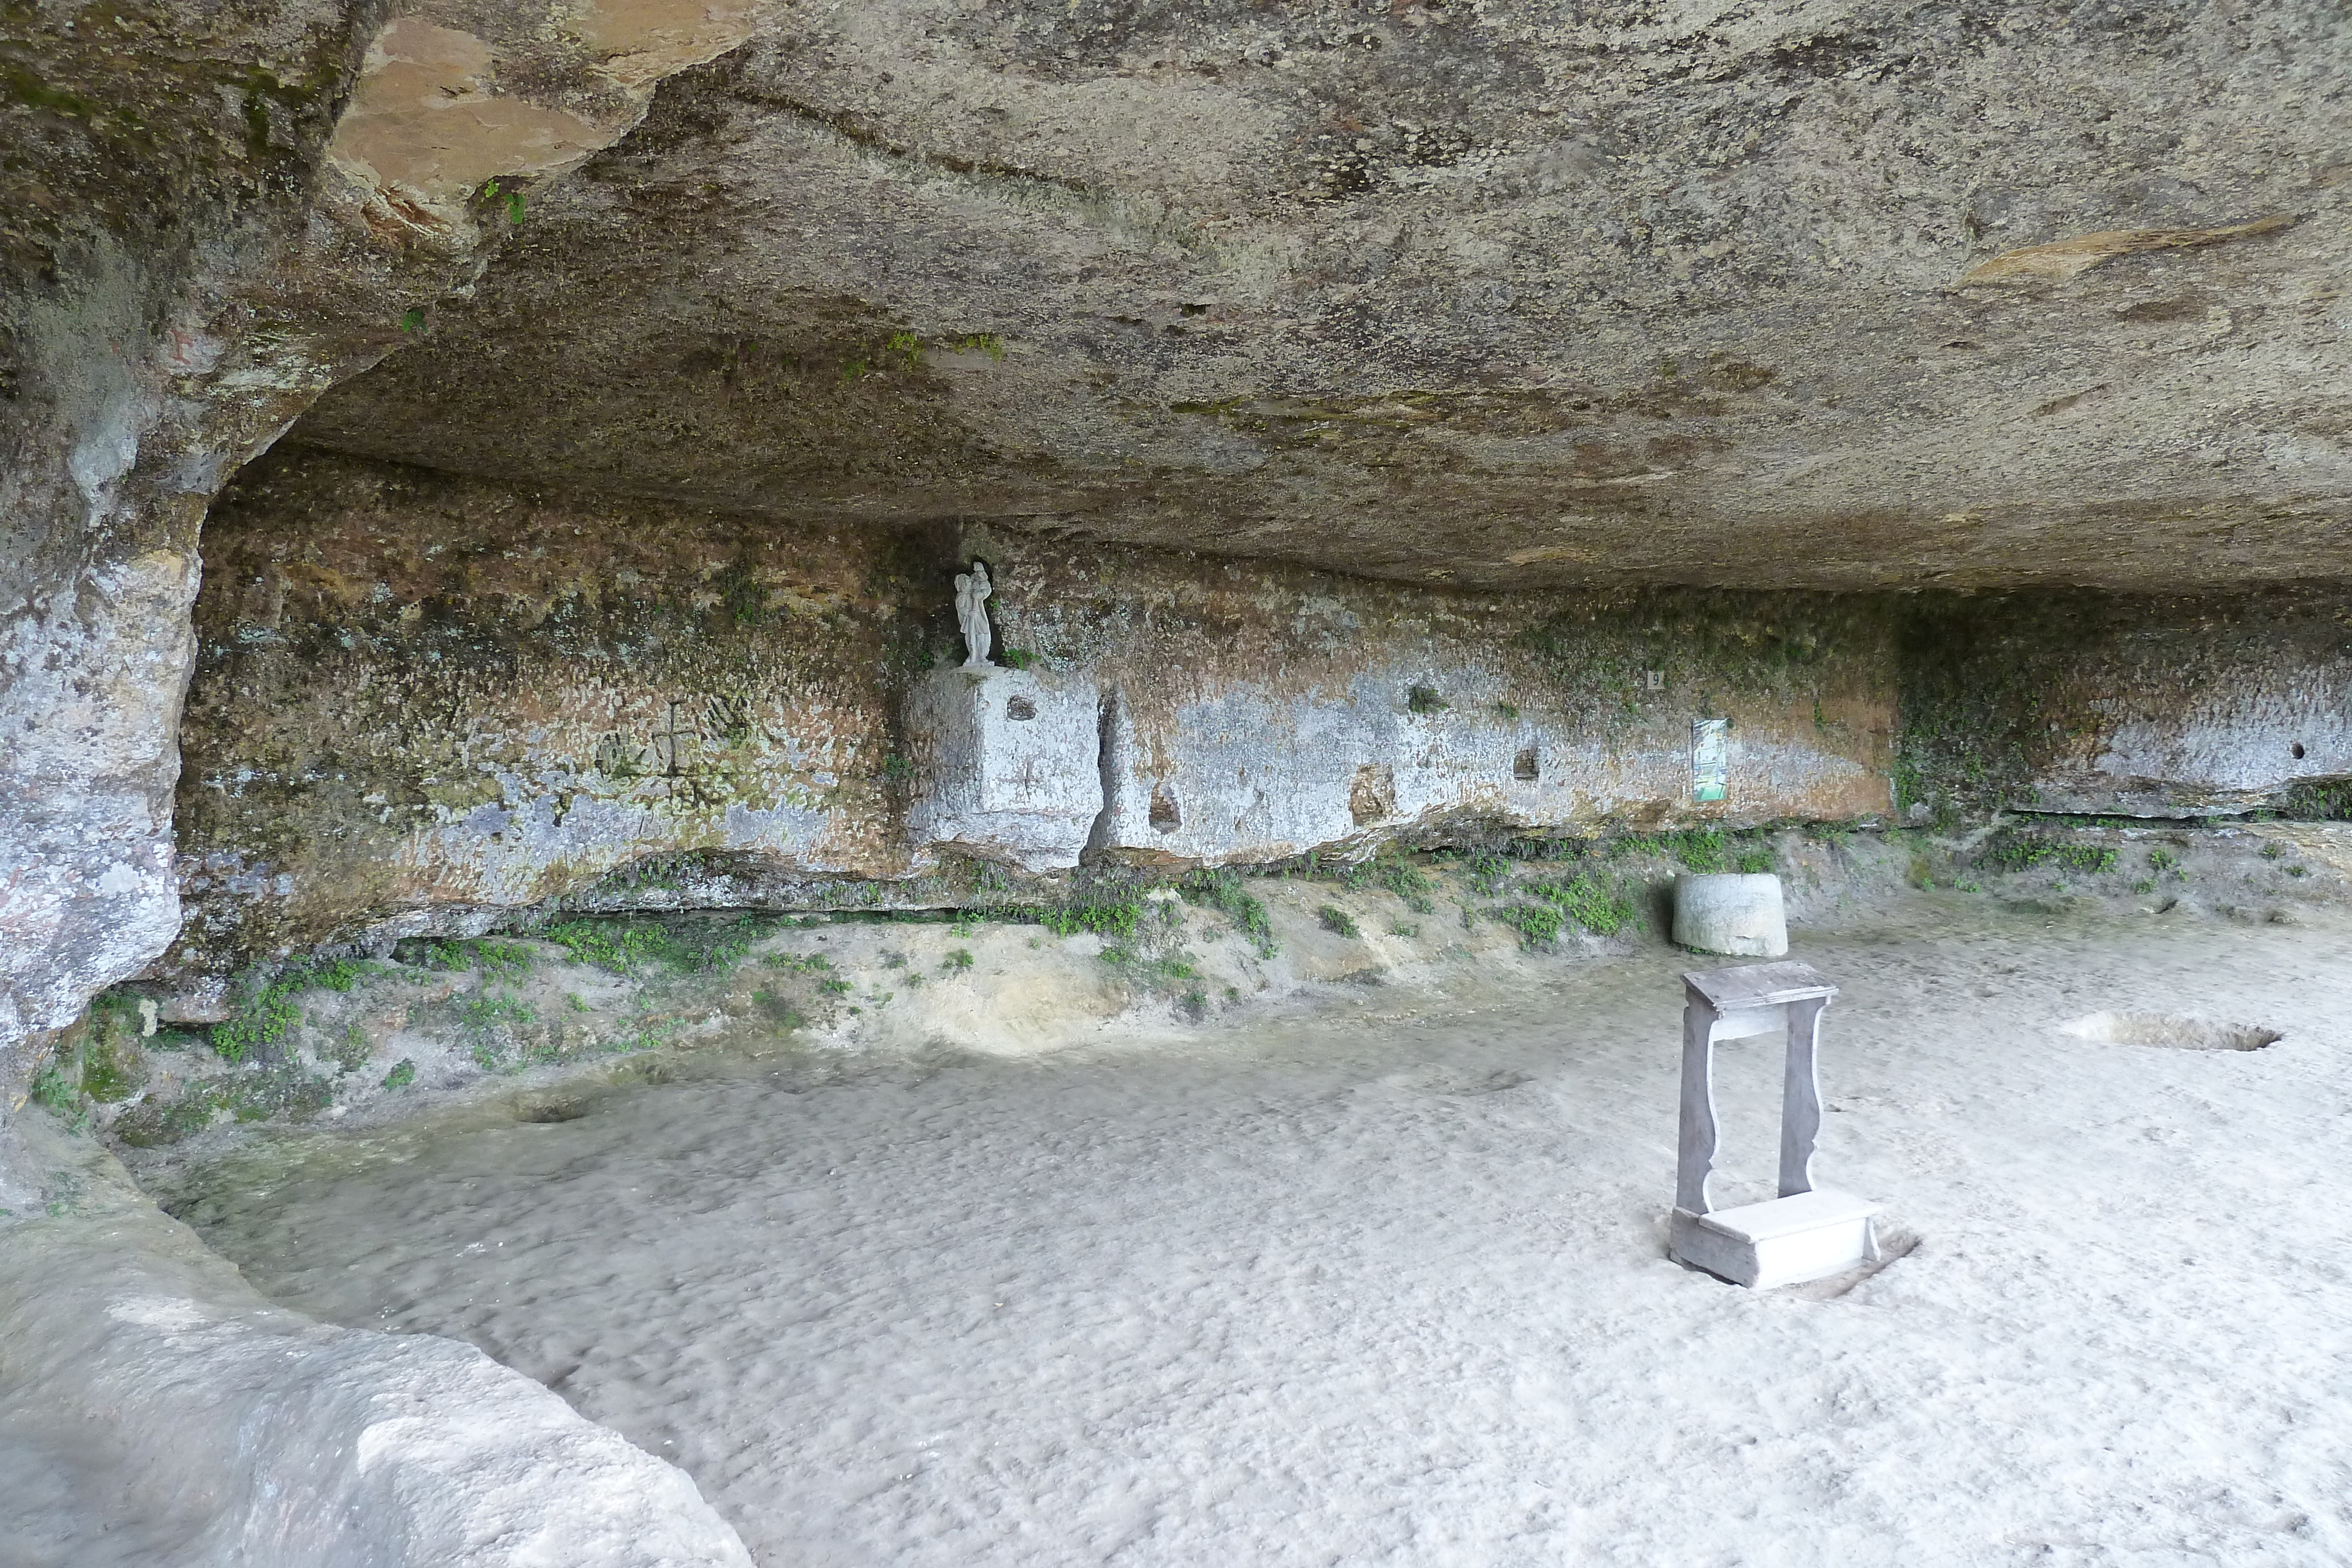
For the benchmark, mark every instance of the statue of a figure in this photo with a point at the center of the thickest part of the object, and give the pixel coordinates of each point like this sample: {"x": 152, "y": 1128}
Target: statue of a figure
{"x": 972, "y": 590}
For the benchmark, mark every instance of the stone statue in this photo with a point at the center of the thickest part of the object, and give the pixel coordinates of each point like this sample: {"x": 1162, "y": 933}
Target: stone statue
{"x": 972, "y": 590}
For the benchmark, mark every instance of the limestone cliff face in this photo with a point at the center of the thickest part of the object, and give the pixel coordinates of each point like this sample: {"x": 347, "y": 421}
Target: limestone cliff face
{"x": 1833, "y": 296}
{"x": 429, "y": 703}
{"x": 1509, "y": 298}
{"x": 2145, "y": 706}
{"x": 205, "y": 220}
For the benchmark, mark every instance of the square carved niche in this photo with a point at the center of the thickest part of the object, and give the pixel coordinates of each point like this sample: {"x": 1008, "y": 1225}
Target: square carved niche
{"x": 1372, "y": 796}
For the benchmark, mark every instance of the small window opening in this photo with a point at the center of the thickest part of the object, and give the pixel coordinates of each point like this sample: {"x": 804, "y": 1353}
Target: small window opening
{"x": 1524, "y": 766}
{"x": 2297, "y": 749}
{"x": 1166, "y": 815}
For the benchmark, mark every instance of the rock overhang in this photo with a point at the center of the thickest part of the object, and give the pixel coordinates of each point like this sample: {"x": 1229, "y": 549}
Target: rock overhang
{"x": 1890, "y": 299}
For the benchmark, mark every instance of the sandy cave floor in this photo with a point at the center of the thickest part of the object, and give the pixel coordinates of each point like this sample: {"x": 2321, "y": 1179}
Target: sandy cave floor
{"x": 1391, "y": 1289}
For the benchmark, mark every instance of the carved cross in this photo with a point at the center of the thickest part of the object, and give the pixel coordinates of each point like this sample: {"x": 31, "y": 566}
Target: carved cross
{"x": 672, "y": 736}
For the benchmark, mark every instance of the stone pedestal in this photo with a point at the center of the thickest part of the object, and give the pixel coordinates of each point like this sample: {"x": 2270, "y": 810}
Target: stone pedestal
{"x": 1731, "y": 912}
{"x": 1807, "y": 1232}
{"x": 1007, "y": 763}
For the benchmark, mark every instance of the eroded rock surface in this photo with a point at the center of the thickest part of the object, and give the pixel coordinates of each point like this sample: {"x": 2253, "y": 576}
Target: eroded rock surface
{"x": 194, "y": 243}
{"x": 426, "y": 703}
{"x": 1832, "y": 296}
{"x": 156, "y": 1413}
{"x": 1514, "y": 298}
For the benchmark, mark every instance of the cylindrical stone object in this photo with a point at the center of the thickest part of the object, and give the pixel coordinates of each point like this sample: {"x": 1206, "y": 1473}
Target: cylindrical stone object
{"x": 1734, "y": 913}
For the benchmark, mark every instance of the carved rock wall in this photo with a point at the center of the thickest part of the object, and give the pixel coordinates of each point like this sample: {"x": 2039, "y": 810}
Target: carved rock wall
{"x": 1006, "y": 764}
{"x": 421, "y": 693}
{"x": 426, "y": 703}
{"x": 1258, "y": 711}
{"x": 2155, "y": 705}
{"x": 430, "y": 702}
{"x": 207, "y": 219}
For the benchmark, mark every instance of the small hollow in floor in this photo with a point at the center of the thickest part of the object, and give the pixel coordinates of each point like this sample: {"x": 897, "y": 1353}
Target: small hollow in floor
{"x": 2164, "y": 1029}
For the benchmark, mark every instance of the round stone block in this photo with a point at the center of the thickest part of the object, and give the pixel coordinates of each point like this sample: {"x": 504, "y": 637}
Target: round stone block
{"x": 1734, "y": 913}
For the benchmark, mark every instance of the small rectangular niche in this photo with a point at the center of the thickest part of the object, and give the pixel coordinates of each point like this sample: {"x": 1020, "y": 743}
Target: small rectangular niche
{"x": 1524, "y": 767}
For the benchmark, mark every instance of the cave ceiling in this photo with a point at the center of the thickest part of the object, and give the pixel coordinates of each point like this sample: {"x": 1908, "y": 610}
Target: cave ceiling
{"x": 1829, "y": 295}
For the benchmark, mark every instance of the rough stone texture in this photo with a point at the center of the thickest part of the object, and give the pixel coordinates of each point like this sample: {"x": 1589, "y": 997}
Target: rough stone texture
{"x": 427, "y": 703}
{"x": 156, "y": 1413}
{"x": 193, "y": 246}
{"x": 2149, "y": 706}
{"x": 1006, "y": 764}
{"x": 1842, "y": 296}
{"x": 1832, "y": 295}
{"x": 417, "y": 690}
{"x": 1258, "y": 712}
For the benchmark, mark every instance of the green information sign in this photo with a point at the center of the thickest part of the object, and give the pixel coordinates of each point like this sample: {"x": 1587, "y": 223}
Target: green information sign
{"x": 1710, "y": 758}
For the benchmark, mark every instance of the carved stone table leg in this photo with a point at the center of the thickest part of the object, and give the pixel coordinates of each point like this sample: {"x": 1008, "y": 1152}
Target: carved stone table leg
{"x": 1695, "y": 1157}
{"x": 1801, "y": 1098}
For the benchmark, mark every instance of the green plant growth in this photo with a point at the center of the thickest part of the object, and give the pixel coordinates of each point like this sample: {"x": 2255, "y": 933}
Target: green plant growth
{"x": 112, "y": 1070}
{"x": 1832, "y": 835}
{"x": 1593, "y": 904}
{"x": 2024, "y": 851}
{"x": 1102, "y": 916}
{"x": 2162, "y": 861}
{"x": 957, "y": 962}
{"x": 1701, "y": 850}
{"x": 351, "y": 1052}
{"x": 1411, "y": 884}
{"x": 511, "y": 201}
{"x": 635, "y": 948}
{"x": 1016, "y": 658}
{"x": 495, "y": 960}
{"x": 489, "y": 1022}
{"x": 269, "y": 1010}
{"x": 1425, "y": 699}
{"x": 254, "y": 1096}
{"x": 1222, "y": 891}
{"x": 484, "y": 1013}
{"x": 403, "y": 1074}
{"x": 1539, "y": 925}
{"x": 1334, "y": 919}
{"x": 55, "y": 1091}
{"x": 1487, "y": 872}
{"x": 2329, "y": 801}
